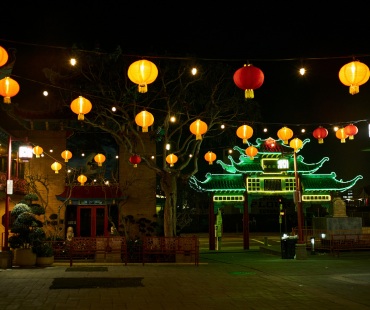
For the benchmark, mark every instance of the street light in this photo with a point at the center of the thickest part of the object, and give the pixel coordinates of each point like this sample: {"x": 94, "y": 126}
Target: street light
{"x": 296, "y": 144}
{"x": 25, "y": 152}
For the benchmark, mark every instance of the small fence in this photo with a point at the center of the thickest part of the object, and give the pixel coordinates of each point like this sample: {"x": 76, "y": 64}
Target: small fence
{"x": 117, "y": 249}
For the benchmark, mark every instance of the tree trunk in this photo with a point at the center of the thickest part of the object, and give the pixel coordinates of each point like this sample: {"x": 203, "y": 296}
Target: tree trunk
{"x": 169, "y": 186}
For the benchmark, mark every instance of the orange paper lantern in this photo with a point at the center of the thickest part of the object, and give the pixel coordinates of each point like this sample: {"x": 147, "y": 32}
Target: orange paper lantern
{"x": 37, "y": 150}
{"x": 244, "y": 132}
{"x": 99, "y": 158}
{"x": 251, "y": 151}
{"x": 341, "y": 135}
{"x": 296, "y": 144}
{"x": 249, "y": 78}
{"x": 353, "y": 75}
{"x": 142, "y": 72}
{"x": 8, "y": 88}
{"x": 171, "y": 159}
{"x": 285, "y": 134}
{"x": 82, "y": 179}
{"x": 210, "y": 157}
{"x": 144, "y": 119}
{"x": 198, "y": 128}
{"x": 320, "y": 133}
{"x": 81, "y": 106}
{"x": 66, "y": 155}
{"x": 56, "y": 167}
{"x": 3, "y": 56}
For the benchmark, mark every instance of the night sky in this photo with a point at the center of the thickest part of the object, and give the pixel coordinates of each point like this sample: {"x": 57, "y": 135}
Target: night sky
{"x": 278, "y": 38}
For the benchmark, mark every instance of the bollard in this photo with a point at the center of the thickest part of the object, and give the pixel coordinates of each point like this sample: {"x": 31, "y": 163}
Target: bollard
{"x": 266, "y": 242}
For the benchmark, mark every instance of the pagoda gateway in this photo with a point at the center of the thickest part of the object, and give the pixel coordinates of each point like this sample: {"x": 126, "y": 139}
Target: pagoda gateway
{"x": 263, "y": 187}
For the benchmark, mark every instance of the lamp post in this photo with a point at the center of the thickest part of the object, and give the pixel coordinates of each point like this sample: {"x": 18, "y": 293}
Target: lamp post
{"x": 25, "y": 152}
{"x": 298, "y": 201}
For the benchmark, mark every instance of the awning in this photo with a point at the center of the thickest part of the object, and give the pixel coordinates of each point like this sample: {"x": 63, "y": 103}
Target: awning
{"x": 91, "y": 194}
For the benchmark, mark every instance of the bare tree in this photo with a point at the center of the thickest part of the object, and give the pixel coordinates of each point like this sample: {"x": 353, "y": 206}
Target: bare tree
{"x": 210, "y": 96}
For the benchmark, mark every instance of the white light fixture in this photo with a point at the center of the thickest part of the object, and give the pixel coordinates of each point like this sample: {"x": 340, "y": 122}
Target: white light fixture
{"x": 25, "y": 153}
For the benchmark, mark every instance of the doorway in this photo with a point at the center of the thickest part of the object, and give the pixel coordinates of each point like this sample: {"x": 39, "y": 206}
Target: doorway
{"x": 92, "y": 221}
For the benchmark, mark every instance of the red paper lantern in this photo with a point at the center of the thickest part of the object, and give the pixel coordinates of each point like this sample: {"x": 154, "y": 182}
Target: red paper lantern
{"x": 351, "y": 130}
{"x": 135, "y": 160}
{"x": 320, "y": 133}
{"x": 249, "y": 78}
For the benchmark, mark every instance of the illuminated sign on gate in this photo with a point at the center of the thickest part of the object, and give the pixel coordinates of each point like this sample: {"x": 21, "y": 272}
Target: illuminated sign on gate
{"x": 283, "y": 164}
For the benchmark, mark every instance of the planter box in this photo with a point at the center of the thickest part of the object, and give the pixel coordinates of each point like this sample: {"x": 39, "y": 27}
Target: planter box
{"x": 44, "y": 261}
{"x": 24, "y": 258}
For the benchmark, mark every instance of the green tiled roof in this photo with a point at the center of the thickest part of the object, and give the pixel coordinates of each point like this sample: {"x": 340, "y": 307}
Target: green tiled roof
{"x": 237, "y": 171}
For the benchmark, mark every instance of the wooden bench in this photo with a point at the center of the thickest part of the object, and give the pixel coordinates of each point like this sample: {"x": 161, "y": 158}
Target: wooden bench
{"x": 346, "y": 242}
{"x": 165, "y": 249}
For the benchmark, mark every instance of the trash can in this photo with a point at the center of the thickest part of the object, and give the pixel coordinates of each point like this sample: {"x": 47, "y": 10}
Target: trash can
{"x": 288, "y": 247}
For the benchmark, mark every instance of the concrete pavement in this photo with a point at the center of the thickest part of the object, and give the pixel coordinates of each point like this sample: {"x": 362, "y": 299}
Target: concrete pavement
{"x": 232, "y": 279}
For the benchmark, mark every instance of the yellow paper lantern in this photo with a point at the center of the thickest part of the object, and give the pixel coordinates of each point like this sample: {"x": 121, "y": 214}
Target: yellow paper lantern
{"x": 341, "y": 135}
{"x": 171, "y": 159}
{"x": 142, "y": 72}
{"x": 210, "y": 157}
{"x": 251, "y": 151}
{"x": 8, "y": 88}
{"x": 56, "y": 166}
{"x": 3, "y": 56}
{"x": 66, "y": 155}
{"x": 81, "y": 106}
{"x": 37, "y": 150}
{"x": 353, "y": 75}
{"x": 285, "y": 134}
{"x": 82, "y": 179}
{"x": 198, "y": 128}
{"x": 99, "y": 158}
{"x": 144, "y": 119}
{"x": 244, "y": 132}
{"x": 296, "y": 144}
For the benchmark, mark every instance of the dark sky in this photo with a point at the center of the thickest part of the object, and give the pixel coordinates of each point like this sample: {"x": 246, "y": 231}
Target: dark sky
{"x": 278, "y": 37}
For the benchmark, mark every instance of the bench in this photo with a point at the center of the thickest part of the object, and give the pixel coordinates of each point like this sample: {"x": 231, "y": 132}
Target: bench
{"x": 97, "y": 249}
{"x": 346, "y": 242}
{"x": 168, "y": 249}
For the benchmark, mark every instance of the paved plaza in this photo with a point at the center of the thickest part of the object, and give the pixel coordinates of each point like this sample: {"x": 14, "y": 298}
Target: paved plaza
{"x": 226, "y": 279}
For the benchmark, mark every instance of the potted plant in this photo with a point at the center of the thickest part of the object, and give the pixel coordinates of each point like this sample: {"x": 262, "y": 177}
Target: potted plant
{"x": 26, "y": 230}
{"x": 44, "y": 254}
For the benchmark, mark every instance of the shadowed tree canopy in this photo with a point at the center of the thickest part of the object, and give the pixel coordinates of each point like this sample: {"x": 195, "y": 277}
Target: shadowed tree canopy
{"x": 210, "y": 95}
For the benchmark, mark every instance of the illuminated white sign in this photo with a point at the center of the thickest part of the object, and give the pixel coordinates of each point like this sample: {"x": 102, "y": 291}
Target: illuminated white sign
{"x": 283, "y": 164}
